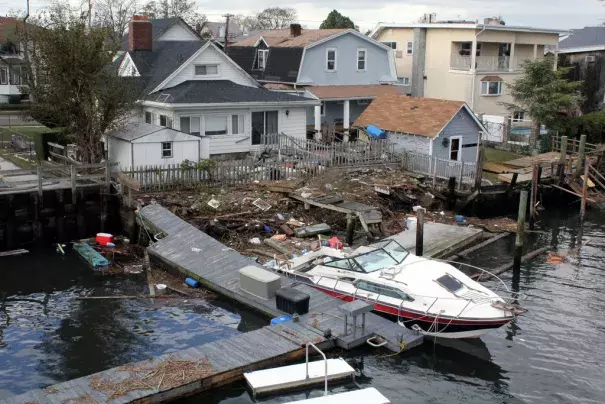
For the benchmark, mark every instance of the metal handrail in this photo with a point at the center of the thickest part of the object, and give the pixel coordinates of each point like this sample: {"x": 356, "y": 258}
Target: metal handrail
{"x": 325, "y": 361}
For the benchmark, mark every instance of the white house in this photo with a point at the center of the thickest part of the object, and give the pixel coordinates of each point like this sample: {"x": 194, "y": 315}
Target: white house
{"x": 195, "y": 88}
{"x": 140, "y": 143}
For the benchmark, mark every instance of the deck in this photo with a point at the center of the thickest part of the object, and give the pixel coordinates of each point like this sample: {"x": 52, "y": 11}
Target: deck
{"x": 217, "y": 267}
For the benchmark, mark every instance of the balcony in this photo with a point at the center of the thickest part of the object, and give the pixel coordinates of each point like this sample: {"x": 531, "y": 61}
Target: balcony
{"x": 485, "y": 63}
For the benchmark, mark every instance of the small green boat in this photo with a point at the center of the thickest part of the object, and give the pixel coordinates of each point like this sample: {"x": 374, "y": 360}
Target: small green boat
{"x": 90, "y": 255}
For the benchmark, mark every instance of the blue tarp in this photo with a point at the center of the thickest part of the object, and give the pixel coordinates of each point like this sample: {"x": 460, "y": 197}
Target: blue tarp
{"x": 375, "y": 132}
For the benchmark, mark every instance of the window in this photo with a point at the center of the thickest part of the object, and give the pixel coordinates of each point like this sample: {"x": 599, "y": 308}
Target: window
{"x": 166, "y": 149}
{"x": 185, "y": 124}
{"x": 190, "y": 125}
{"x": 237, "y": 124}
{"x": 206, "y": 70}
{"x": 404, "y": 81}
{"x": 467, "y": 47}
{"x": 361, "y": 59}
{"x": 410, "y": 48}
{"x": 519, "y": 116}
{"x": 263, "y": 123}
{"x": 382, "y": 290}
{"x": 491, "y": 87}
{"x": 262, "y": 55}
{"x": 165, "y": 121}
{"x": 216, "y": 125}
{"x": 450, "y": 283}
{"x": 15, "y": 75}
{"x": 147, "y": 117}
{"x": 390, "y": 44}
{"x": 3, "y": 75}
{"x": 455, "y": 146}
{"x": 331, "y": 60}
{"x": 323, "y": 109}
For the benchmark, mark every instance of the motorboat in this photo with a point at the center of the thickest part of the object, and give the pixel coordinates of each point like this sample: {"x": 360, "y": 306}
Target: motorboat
{"x": 428, "y": 295}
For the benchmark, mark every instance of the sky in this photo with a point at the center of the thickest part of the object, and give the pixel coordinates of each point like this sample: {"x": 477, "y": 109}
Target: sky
{"x": 561, "y": 14}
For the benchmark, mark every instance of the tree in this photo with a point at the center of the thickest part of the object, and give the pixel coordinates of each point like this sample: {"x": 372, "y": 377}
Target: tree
{"x": 114, "y": 15}
{"x": 337, "y": 20}
{"x": 543, "y": 93}
{"x": 187, "y": 10}
{"x": 269, "y": 18}
{"x": 74, "y": 85}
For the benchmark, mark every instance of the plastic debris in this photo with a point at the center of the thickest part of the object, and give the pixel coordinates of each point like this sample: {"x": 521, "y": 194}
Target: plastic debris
{"x": 280, "y": 216}
{"x": 415, "y": 208}
{"x": 334, "y": 242}
{"x": 460, "y": 220}
{"x": 328, "y": 186}
{"x": 270, "y": 264}
{"x": 262, "y": 205}
{"x": 255, "y": 240}
{"x": 314, "y": 230}
{"x": 192, "y": 282}
{"x": 295, "y": 223}
{"x": 196, "y": 250}
{"x": 213, "y": 203}
{"x": 382, "y": 189}
{"x": 306, "y": 195}
{"x": 266, "y": 228}
{"x": 280, "y": 237}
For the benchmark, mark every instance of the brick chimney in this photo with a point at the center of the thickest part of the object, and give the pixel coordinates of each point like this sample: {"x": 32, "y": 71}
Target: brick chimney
{"x": 295, "y": 30}
{"x": 139, "y": 33}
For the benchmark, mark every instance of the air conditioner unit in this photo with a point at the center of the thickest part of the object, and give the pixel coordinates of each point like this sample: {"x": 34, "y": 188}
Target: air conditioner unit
{"x": 591, "y": 59}
{"x": 399, "y": 54}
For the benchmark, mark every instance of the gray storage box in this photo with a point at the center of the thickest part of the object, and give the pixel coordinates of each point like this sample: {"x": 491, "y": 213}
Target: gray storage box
{"x": 259, "y": 282}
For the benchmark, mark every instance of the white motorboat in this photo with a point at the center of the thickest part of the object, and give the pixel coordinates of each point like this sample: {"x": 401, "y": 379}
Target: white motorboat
{"x": 428, "y": 295}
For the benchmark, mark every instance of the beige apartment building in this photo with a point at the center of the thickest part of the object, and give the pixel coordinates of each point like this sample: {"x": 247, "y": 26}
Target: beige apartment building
{"x": 462, "y": 61}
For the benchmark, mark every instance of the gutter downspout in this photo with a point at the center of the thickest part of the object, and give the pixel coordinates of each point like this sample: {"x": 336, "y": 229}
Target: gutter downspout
{"x": 474, "y": 72}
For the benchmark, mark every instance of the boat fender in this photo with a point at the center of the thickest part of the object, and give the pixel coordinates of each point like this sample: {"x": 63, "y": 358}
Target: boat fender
{"x": 192, "y": 282}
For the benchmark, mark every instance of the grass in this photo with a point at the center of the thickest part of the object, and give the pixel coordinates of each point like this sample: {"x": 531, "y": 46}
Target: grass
{"x": 497, "y": 156}
{"x": 10, "y": 156}
{"x": 30, "y": 131}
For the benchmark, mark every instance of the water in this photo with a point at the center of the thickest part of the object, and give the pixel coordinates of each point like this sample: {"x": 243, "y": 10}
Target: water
{"x": 553, "y": 354}
{"x": 46, "y": 336}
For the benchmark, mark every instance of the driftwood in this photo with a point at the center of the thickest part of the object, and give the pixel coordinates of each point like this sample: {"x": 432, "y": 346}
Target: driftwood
{"x": 503, "y": 268}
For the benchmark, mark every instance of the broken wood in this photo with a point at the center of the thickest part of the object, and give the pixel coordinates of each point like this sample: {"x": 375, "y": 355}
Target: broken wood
{"x": 261, "y": 252}
{"x": 503, "y": 268}
{"x": 470, "y": 199}
{"x": 276, "y": 245}
{"x": 463, "y": 254}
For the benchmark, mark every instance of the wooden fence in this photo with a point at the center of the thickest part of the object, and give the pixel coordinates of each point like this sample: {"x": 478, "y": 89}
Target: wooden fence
{"x": 573, "y": 146}
{"x": 284, "y": 157}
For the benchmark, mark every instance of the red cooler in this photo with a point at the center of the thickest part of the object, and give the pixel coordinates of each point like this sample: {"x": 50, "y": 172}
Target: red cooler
{"x": 104, "y": 238}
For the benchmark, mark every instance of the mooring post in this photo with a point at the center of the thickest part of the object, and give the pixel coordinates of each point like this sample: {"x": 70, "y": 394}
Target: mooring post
{"x": 350, "y": 229}
{"x": 562, "y": 159}
{"x": 40, "y": 187}
{"x": 581, "y": 155}
{"x": 584, "y": 189}
{"x": 419, "y": 231}
{"x": 74, "y": 196}
{"x": 60, "y": 215}
{"x": 520, "y": 231}
{"x": 451, "y": 186}
{"x": 534, "y": 196}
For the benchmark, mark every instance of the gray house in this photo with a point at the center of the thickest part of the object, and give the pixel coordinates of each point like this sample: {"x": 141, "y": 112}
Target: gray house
{"x": 341, "y": 67}
{"x": 439, "y": 128}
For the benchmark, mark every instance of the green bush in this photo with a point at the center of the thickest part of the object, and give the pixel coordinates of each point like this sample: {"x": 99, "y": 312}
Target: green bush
{"x": 592, "y": 125}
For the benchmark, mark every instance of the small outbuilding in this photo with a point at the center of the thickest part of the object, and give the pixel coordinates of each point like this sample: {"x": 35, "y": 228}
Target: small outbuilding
{"x": 140, "y": 144}
{"x": 439, "y": 128}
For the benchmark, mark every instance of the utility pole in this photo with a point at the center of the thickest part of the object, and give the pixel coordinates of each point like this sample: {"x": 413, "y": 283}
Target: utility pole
{"x": 227, "y": 17}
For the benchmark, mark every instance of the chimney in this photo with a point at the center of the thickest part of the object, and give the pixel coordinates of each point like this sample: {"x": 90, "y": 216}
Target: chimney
{"x": 493, "y": 21}
{"x": 139, "y": 33}
{"x": 295, "y": 30}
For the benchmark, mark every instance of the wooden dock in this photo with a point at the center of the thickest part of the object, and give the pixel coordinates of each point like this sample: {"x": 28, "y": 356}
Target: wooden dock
{"x": 182, "y": 373}
{"x": 217, "y": 266}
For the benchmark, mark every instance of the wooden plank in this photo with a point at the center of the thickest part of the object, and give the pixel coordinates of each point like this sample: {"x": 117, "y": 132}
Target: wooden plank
{"x": 496, "y": 168}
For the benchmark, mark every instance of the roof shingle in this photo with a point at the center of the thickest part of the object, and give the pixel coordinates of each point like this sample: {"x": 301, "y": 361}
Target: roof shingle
{"x": 588, "y": 36}
{"x": 281, "y": 38}
{"x": 415, "y": 116}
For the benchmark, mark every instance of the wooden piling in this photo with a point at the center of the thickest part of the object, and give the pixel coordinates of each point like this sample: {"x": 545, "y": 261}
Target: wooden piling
{"x": 584, "y": 189}
{"x": 562, "y": 159}
{"x": 581, "y": 156}
{"x": 419, "y": 231}
{"x": 535, "y": 180}
{"x": 479, "y": 168}
{"x": 520, "y": 231}
{"x": 451, "y": 186}
{"x": 350, "y": 229}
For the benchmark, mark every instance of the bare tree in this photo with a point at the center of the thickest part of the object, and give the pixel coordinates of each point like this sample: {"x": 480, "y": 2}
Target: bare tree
{"x": 187, "y": 10}
{"x": 114, "y": 15}
{"x": 269, "y": 18}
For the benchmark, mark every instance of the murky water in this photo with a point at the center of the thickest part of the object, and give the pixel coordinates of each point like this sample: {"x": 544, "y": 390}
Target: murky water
{"x": 554, "y": 354}
{"x": 47, "y": 336}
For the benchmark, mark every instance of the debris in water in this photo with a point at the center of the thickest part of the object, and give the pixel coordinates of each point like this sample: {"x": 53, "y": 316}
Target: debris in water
{"x": 262, "y": 205}
{"x": 213, "y": 203}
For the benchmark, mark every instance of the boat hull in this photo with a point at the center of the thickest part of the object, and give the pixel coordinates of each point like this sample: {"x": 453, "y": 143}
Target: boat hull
{"x": 442, "y": 327}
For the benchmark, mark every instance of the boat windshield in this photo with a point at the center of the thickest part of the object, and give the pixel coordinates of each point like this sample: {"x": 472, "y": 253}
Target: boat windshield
{"x": 387, "y": 254}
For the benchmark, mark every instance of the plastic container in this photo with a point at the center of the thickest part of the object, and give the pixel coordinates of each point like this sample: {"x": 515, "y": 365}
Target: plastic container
{"x": 280, "y": 320}
{"x": 104, "y": 238}
{"x": 192, "y": 283}
{"x": 292, "y": 301}
{"x": 160, "y": 288}
{"x": 334, "y": 242}
{"x": 410, "y": 222}
{"x": 314, "y": 230}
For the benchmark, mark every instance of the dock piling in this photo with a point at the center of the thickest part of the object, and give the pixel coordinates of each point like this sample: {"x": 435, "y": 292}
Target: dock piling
{"x": 520, "y": 231}
{"x": 535, "y": 182}
{"x": 419, "y": 231}
{"x": 451, "y": 186}
{"x": 581, "y": 155}
{"x": 562, "y": 159}
{"x": 350, "y": 229}
{"x": 584, "y": 189}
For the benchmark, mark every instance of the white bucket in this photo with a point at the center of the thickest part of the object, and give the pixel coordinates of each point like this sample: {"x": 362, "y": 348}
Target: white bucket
{"x": 410, "y": 222}
{"x": 160, "y": 288}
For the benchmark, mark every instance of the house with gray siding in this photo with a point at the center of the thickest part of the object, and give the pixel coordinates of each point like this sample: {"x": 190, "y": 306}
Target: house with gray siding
{"x": 342, "y": 68}
{"x": 439, "y": 128}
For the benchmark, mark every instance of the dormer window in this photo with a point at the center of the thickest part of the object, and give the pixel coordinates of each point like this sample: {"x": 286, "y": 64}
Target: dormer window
{"x": 261, "y": 58}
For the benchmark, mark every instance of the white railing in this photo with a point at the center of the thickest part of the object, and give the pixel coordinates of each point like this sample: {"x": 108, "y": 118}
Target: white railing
{"x": 484, "y": 63}
{"x": 442, "y": 169}
{"x": 325, "y": 362}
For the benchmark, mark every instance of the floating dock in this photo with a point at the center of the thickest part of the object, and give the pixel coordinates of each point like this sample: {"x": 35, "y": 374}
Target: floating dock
{"x": 216, "y": 266}
{"x": 365, "y": 396}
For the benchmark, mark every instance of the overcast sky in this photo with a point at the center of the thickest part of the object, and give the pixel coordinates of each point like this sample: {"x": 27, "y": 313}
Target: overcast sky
{"x": 564, "y": 14}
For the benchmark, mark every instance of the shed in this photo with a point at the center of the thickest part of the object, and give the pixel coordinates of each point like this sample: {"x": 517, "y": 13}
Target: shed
{"x": 140, "y": 144}
{"x": 439, "y": 128}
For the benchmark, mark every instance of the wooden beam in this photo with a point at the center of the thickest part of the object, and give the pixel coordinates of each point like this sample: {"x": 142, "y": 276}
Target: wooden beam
{"x": 129, "y": 182}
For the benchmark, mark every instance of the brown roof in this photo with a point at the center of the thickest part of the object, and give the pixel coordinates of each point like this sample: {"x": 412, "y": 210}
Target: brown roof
{"x": 369, "y": 91}
{"x": 281, "y": 38}
{"x": 279, "y": 86}
{"x": 417, "y": 116}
